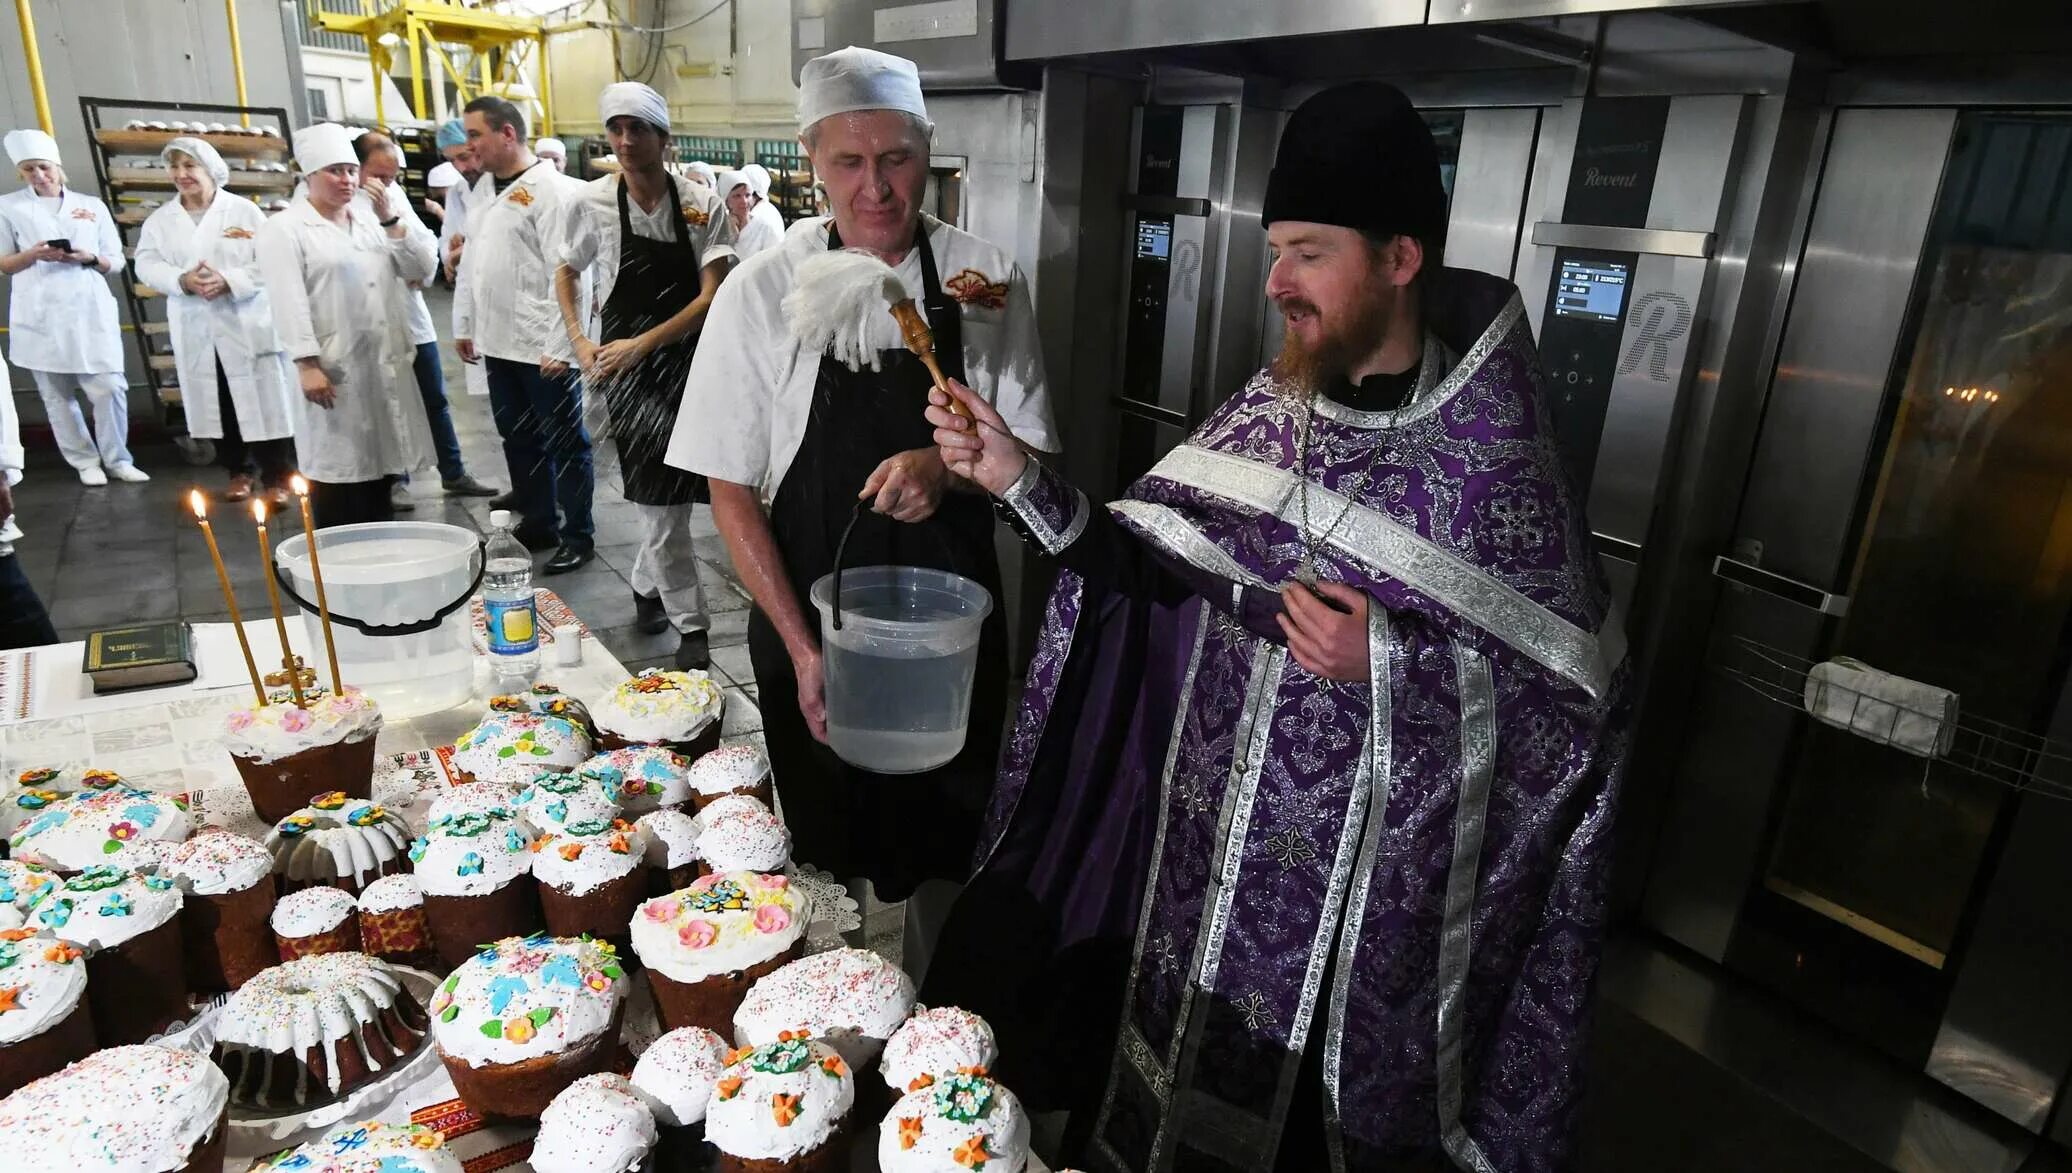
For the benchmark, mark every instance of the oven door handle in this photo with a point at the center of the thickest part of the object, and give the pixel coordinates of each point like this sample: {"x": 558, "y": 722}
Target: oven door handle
{"x": 1777, "y": 586}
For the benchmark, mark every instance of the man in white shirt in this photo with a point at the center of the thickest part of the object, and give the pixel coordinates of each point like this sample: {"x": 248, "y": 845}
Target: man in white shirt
{"x": 381, "y": 160}
{"x": 505, "y": 316}
{"x": 794, "y": 442}
{"x": 656, "y": 247}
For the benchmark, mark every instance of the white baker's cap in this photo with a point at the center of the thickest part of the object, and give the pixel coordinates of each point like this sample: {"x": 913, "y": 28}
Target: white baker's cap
{"x": 444, "y": 175}
{"x": 25, "y": 145}
{"x": 852, "y": 79}
{"x": 324, "y": 145}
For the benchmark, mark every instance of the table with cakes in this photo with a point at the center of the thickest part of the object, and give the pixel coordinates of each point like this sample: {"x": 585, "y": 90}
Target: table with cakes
{"x": 558, "y": 928}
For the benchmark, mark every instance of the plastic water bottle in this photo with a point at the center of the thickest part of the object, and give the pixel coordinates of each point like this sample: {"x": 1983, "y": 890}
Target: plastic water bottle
{"x": 514, "y": 633}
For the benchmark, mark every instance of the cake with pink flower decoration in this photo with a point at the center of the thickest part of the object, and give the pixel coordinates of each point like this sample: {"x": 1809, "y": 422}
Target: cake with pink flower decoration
{"x": 122, "y": 1110}
{"x": 852, "y": 998}
{"x": 705, "y": 946}
{"x": 96, "y": 827}
{"x": 525, "y": 1017}
{"x": 287, "y": 754}
{"x": 338, "y": 841}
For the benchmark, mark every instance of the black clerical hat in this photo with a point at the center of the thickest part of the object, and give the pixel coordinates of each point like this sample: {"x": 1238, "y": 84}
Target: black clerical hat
{"x": 1359, "y": 156}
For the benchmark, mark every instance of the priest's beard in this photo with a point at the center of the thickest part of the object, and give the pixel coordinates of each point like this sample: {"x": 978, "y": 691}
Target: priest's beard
{"x": 1346, "y": 337}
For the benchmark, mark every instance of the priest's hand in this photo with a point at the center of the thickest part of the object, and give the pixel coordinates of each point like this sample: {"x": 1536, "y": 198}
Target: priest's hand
{"x": 980, "y": 449}
{"x": 1327, "y": 636}
{"x": 908, "y": 485}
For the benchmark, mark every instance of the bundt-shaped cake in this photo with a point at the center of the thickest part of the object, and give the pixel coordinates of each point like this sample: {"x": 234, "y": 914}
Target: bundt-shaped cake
{"x": 339, "y": 842}
{"x": 310, "y": 1030}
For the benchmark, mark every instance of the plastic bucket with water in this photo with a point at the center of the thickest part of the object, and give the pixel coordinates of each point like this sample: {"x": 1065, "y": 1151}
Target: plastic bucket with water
{"x": 899, "y": 654}
{"x": 398, "y": 594}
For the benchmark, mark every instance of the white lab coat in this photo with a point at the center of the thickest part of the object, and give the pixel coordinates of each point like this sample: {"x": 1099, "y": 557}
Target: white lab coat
{"x": 421, "y": 328}
{"x": 766, "y": 213}
{"x": 236, "y": 330}
{"x": 341, "y": 296}
{"x": 504, "y": 298}
{"x": 750, "y": 391}
{"x": 61, "y": 317}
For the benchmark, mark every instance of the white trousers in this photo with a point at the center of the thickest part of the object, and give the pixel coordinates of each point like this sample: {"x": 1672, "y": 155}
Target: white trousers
{"x": 108, "y": 443}
{"x": 667, "y": 565}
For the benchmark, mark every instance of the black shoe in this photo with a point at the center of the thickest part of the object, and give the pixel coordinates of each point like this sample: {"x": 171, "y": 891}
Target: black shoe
{"x": 508, "y": 499}
{"x": 467, "y": 486}
{"x": 536, "y": 539}
{"x": 649, "y": 616}
{"x": 693, "y": 651}
{"x": 567, "y": 558}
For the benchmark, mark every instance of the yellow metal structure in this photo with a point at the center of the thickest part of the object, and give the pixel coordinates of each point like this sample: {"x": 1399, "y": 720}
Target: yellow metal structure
{"x": 237, "y": 57}
{"x": 21, "y": 12}
{"x": 428, "y": 29}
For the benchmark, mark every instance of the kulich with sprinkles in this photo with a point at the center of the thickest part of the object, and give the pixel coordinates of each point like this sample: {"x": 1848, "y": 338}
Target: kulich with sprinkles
{"x": 526, "y": 1017}
{"x": 288, "y": 754}
{"x": 738, "y": 833}
{"x": 852, "y": 998}
{"x": 129, "y": 1109}
{"x": 591, "y": 875}
{"x": 962, "y": 1122}
{"x": 672, "y": 850}
{"x": 392, "y": 921}
{"x": 45, "y": 1021}
{"x": 338, "y": 841}
{"x": 371, "y": 1146}
{"x": 643, "y": 778}
{"x": 596, "y": 1125}
{"x": 742, "y": 768}
{"x": 33, "y": 790}
{"x": 554, "y": 800}
{"x": 935, "y": 1041}
{"x": 228, "y": 887}
{"x": 310, "y": 1030}
{"x": 679, "y": 710}
{"x": 515, "y": 748}
{"x": 706, "y": 946}
{"x": 472, "y": 868}
{"x": 315, "y": 921}
{"x": 782, "y": 1106}
{"x": 95, "y": 827}
{"x": 674, "y": 1077}
{"x": 128, "y": 922}
{"x": 464, "y": 797}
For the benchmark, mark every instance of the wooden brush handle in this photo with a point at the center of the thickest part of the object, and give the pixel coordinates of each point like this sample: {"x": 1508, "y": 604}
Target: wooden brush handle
{"x": 921, "y": 340}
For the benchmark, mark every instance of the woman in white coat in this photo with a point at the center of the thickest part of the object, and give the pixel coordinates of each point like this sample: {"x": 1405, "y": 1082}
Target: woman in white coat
{"x": 747, "y": 233}
{"x": 201, "y": 251}
{"x": 62, "y": 325}
{"x": 338, "y": 277}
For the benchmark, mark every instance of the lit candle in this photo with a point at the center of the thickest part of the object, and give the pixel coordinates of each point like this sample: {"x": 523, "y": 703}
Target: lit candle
{"x": 309, "y": 532}
{"x": 273, "y": 593}
{"x": 237, "y": 623}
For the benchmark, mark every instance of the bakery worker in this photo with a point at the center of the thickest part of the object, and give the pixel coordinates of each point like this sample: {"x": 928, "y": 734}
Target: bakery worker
{"x": 791, "y": 439}
{"x": 62, "y": 324}
{"x": 748, "y": 234}
{"x": 554, "y": 151}
{"x": 201, "y": 251}
{"x": 338, "y": 274}
{"x": 506, "y": 318}
{"x": 656, "y": 246}
{"x": 761, "y": 207}
{"x": 459, "y": 158}
{"x": 702, "y": 171}
{"x": 437, "y": 183}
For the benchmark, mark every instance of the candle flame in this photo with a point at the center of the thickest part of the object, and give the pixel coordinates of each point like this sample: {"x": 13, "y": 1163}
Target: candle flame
{"x": 258, "y": 511}
{"x": 300, "y": 486}
{"x": 196, "y": 503}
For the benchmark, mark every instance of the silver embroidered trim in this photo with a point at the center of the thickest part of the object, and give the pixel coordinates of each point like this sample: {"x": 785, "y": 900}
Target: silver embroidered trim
{"x": 1082, "y": 512}
{"x": 1162, "y": 1084}
{"x": 1049, "y": 540}
{"x": 1078, "y": 588}
{"x": 1377, "y": 771}
{"x": 1380, "y": 543}
{"x": 1438, "y": 363}
{"x": 1478, "y": 767}
{"x": 1456, "y": 378}
{"x": 1165, "y": 526}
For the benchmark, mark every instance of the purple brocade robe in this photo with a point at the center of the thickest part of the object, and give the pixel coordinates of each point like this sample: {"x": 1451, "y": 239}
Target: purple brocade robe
{"x": 1405, "y": 875}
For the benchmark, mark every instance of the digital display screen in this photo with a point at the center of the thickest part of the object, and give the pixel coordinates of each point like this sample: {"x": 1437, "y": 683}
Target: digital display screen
{"x": 1591, "y": 289}
{"x": 1155, "y": 239}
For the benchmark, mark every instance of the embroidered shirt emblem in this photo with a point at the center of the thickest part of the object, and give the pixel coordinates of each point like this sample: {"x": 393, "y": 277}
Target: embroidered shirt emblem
{"x": 972, "y": 287}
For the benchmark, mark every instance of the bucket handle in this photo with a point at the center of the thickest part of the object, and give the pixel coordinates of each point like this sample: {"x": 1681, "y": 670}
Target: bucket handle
{"x": 416, "y": 627}
{"x": 862, "y": 510}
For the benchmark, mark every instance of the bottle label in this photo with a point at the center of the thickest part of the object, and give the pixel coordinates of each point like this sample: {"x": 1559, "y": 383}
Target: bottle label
{"x": 512, "y": 629}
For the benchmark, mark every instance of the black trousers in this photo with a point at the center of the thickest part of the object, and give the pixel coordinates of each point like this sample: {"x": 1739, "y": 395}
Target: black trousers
{"x": 270, "y": 460}
{"x": 351, "y": 503}
{"x": 23, "y": 621}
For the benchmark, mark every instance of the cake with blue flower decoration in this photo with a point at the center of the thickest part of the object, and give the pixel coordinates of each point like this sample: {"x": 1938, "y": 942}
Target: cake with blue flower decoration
{"x": 472, "y": 868}
{"x": 338, "y": 841}
{"x": 35, "y": 789}
{"x": 128, "y": 923}
{"x": 555, "y": 799}
{"x": 515, "y": 748}
{"x": 526, "y": 1017}
{"x": 643, "y": 778}
{"x": 95, "y": 827}
{"x": 371, "y": 1146}
{"x": 312, "y": 1029}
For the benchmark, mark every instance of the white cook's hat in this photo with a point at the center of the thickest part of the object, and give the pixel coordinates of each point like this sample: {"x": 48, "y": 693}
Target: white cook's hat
{"x": 728, "y": 180}
{"x": 758, "y": 177}
{"x": 25, "y": 145}
{"x": 201, "y": 152}
{"x": 554, "y": 145}
{"x": 324, "y": 145}
{"x": 444, "y": 175}
{"x": 852, "y": 79}
{"x": 631, "y": 97}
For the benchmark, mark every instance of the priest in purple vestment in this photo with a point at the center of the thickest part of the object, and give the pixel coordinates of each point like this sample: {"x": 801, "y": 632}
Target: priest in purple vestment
{"x": 1297, "y": 856}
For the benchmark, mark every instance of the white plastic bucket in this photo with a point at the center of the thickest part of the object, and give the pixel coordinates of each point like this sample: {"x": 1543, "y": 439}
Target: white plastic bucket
{"x": 398, "y": 594}
{"x": 899, "y": 666}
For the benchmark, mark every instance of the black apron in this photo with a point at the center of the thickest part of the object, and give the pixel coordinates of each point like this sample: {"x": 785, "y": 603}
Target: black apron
{"x": 898, "y": 830}
{"x": 656, "y": 279}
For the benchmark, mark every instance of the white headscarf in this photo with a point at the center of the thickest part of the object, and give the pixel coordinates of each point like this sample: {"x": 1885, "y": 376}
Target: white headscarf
{"x": 852, "y": 79}
{"x": 201, "y": 152}
{"x": 444, "y": 175}
{"x": 550, "y": 146}
{"x": 729, "y": 180}
{"x": 631, "y": 97}
{"x": 26, "y": 145}
{"x": 702, "y": 171}
{"x": 326, "y": 144}
{"x": 758, "y": 177}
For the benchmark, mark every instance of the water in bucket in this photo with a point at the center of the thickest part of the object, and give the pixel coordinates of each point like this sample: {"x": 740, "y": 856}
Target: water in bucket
{"x": 391, "y": 576}
{"x": 899, "y": 671}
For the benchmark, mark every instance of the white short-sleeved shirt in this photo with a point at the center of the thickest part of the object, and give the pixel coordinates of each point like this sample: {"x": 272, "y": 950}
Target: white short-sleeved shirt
{"x": 750, "y": 389}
